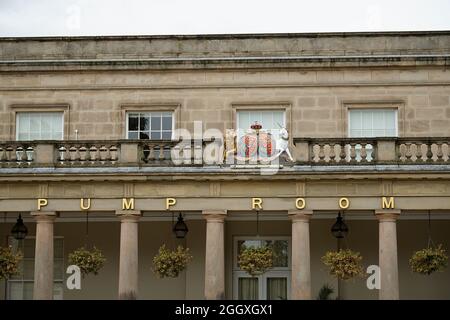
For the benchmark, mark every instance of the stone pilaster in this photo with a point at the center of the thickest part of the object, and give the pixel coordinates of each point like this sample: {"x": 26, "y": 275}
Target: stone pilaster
{"x": 43, "y": 261}
{"x": 388, "y": 260}
{"x": 301, "y": 261}
{"x": 128, "y": 265}
{"x": 215, "y": 255}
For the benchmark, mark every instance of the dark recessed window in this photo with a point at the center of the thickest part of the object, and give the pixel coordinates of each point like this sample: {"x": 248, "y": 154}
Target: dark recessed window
{"x": 149, "y": 125}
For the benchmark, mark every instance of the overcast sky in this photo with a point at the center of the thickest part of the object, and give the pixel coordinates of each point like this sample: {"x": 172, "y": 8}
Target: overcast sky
{"x": 124, "y": 17}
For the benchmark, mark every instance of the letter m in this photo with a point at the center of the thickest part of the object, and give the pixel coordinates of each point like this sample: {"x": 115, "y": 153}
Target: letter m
{"x": 388, "y": 204}
{"x": 128, "y": 204}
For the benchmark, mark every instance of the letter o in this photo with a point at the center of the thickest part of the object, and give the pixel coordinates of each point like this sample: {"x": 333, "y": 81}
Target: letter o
{"x": 344, "y": 203}
{"x": 300, "y": 203}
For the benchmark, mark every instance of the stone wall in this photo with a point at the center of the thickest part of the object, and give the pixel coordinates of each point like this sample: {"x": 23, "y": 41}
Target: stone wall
{"x": 315, "y": 92}
{"x": 316, "y": 101}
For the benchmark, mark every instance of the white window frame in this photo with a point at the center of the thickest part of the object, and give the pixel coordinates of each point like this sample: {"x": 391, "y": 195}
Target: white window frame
{"x": 371, "y": 109}
{"x": 127, "y": 112}
{"x": 17, "y": 124}
{"x": 260, "y": 110}
{"x": 276, "y": 272}
{"x": 8, "y": 297}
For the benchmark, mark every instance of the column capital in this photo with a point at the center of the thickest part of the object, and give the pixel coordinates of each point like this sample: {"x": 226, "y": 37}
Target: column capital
{"x": 214, "y": 215}
{"x": 388, "y": 215}
{"x": 300, "y": 215}
{"x": 44, "y": 216}
{"x": 128, "y": 215}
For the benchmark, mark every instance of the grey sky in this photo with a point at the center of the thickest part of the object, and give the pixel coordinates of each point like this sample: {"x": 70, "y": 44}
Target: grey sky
{"x": 119, "y": 17}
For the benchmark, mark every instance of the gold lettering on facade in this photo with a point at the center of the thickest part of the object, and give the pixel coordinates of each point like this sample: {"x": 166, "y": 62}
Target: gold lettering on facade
{"x": 257, "y": 202}
{"x": 128, "y": 204}
{"x": 388, "y": 204}
{"x": 85, "y": 207}
{"x": 344, "y": 203}
{"x": 42, "y": 203}
{"x": 300, "y": 203}
{"x": 170, "y": 202}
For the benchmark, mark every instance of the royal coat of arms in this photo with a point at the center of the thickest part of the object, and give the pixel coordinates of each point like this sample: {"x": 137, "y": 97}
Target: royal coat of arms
{"x": 256, "y": 144}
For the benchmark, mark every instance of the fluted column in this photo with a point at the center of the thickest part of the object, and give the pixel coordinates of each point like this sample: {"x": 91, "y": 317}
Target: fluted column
{"x": 43, "y": 261}
{"x": 215, "y": 255}
{"x": 388, "y": 260}
{"x": 301, "y": 261}
{"x": 128, "y": 265}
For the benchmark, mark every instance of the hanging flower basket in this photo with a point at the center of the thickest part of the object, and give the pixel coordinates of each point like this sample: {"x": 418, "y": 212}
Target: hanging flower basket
{"x": 89, "y": 261}
{"x": 429, "y": 260}
{"x": 169, "y": 263}
{"x": 256, "y": 261}
{"x": 9, "y": 262}
{"x": 344, "y": 264}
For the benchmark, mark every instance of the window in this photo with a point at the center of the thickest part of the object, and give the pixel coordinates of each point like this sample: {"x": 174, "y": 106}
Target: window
{"x": 150, "y": 125}
{"x": 20, "y": 287}
{"x": 271, "y": 120}
{"x": 273, "y": 284}
{"x": 372, "y": 123}
{"x": 39, "y": 125}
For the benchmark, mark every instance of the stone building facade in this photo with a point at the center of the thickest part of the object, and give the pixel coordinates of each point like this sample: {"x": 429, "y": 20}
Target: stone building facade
{"x": 368, "y": 117}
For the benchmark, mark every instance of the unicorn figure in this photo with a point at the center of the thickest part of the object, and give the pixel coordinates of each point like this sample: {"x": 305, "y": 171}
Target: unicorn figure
{"x": 282, "y": 143}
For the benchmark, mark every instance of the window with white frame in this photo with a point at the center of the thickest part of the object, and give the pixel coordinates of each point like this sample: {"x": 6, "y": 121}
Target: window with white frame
{"x": 274, "y": 284}
{"x": 270, "y": 120}
{"x": 39, "y": 125}
{"x": 372, "y": 123}
{"x": 150, "y": 125}
{"x": 20, "y": 287}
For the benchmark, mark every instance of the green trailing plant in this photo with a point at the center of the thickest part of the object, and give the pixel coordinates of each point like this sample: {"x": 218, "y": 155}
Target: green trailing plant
{"x": 255, "y": 260}
{"x": 169, "y": 263}
{"x": 9, "y": 262}
{"x": 429, "y": 260}
{"x": 325, "y": 292}
{"x": 89, "y": 261}
{"x": 344, "y": 264}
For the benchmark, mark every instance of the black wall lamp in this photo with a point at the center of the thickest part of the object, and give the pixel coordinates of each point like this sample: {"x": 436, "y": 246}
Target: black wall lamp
{"x": 180, "y": 228}
{"x": 19, "y": 231}
{"x": 339, "y": 229}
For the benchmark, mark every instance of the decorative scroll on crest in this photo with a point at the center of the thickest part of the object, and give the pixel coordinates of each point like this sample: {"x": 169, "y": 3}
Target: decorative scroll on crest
{"x": 256, "y": 145}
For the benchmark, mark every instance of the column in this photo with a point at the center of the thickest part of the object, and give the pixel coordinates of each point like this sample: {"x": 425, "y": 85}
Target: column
{"x": 43, "y": 261}
{"x": 301, "y": 264}
{"x": 128, "y": 265}
{"x": 388, "y": 261}
{"x": 215, "y": 255}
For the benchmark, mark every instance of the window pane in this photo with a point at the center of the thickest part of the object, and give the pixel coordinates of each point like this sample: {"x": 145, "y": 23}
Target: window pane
{"x": 58, "y": 290}
{"x": 28, "y": 269}
{"x": 132, "y": 123}
{"x": 35, "y": 124}
{"x": 156, "y": 135}
{"x": 144, "y": 123}
{"x": 280, "y": 252}
{"x": 58, "y": 247}
{"x": 40, "y": 125}
{"x": 277, "y": 288}
{"x": 132, "y": 135}
{"x": 15, "y": 290}
{"x": 248, "y": 289}
{"x": 46, "y": 123}
{"x": 167, "y": 135}
{"x": 46, "y": 135}
{"x": 166, "y": 123}
{"x": 143, "y": 135}
{"x": 156, "y": 123}
{"x": 372, "y": 123}
{"x": 269, "y": 119}
{"x": 24, "y": 122}
{"x": 58, "y": 269}
{"x": 28, "y": 290}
